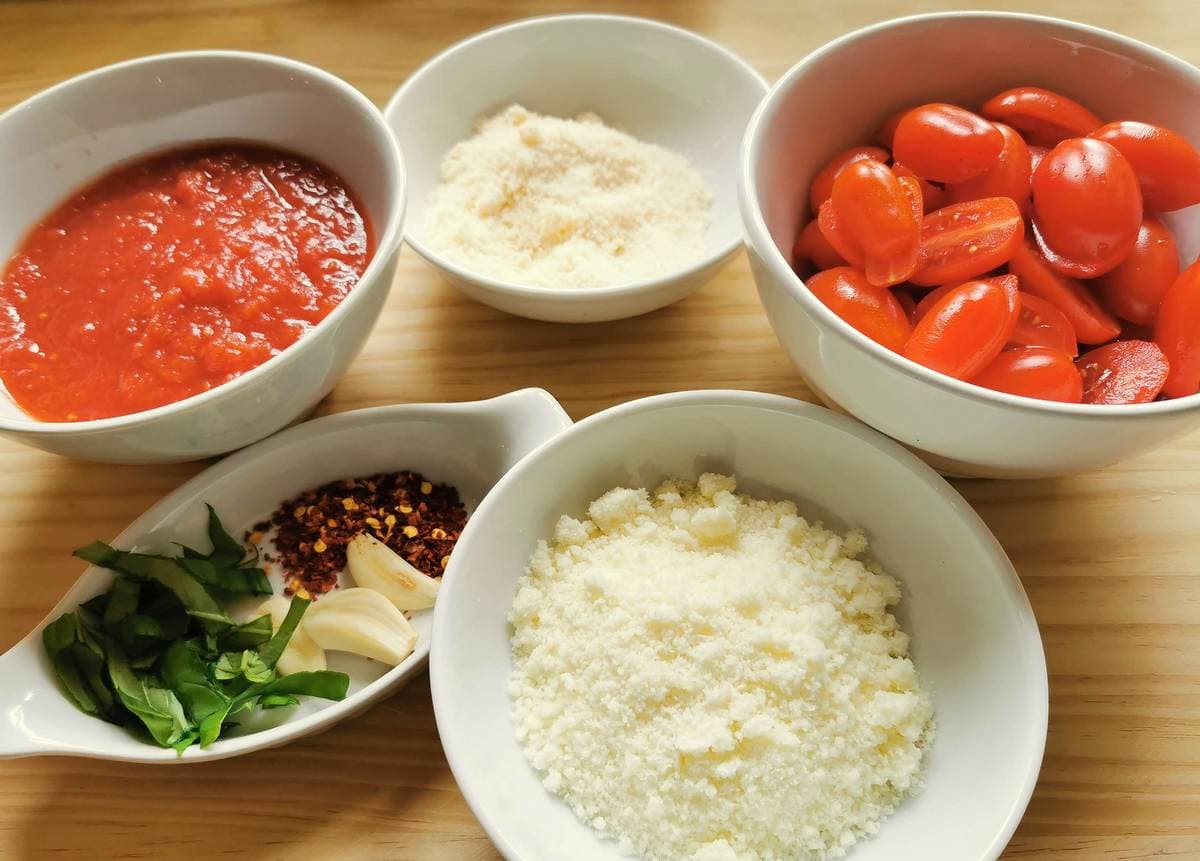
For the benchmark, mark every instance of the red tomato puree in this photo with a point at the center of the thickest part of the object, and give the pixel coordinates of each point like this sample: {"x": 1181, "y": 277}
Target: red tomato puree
{"x": 172, "y": 275}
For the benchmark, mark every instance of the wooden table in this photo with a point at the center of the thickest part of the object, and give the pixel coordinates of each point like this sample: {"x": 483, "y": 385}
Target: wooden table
{"x": 1111, "y": 560}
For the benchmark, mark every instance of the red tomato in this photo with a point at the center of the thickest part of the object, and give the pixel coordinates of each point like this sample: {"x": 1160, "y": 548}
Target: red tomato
{"x": 1008, "y": 177}
{"x": 963, "y": 240}
{"x": 874, "y": 311}
{"x": 1033, "y": 372}
{"x": 1135, "y": 289}
{"x": 1166, "y": 164}
{"x": 887, "y": 132}
{"x": 967, "y": 328}
{"x": 822, "y": 184}
{"x": 1040, "y": 324}
{"x": 882, "y": 215}
{"x": 905, "y": 297}
{"x": 812, "y": 245}
{"x": 837, "y": 236}
{"x": 932, "y": 196}
{"x": 1036, "y": 154}
{"x": 1087, "y": 207}
{"x": 1123, "y": 372}
{"x": 929, "y": 300}
{"x": 1177, "y": 332}
{"x": 1042, "y": 116}
{"x": 1092, "y": 324}
{"x": 946, "y": 143}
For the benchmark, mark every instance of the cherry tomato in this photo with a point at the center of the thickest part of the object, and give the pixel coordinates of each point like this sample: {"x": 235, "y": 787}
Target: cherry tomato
{"x": 963, "y": 240}
{"x": 1092, "y": 324}
{"x": 882, "y": 215}
{"x": 1009, "y": 176}
{"x": 967, "y": 328}
{"x": 1042, "y": 116}
{"x": 929, "y": 300}
{"x": 872, "y": 310}
{"x": 812, "y": 245}
{"x": 1040, "y": 324}
{"x": 839, "y": 239}
{"x": 822, "y": 185}
{"x": 1177, "y": 332}
{"x": 887, "y": 132}
{"x": 1166, "y": 163}
{"x": 1036, "y": 154}
{"x": 905, "y": 297}
{"x": 1135, "y": 289}
{"x": 946, "y": 143}
{"x": 1033, "y": 372}
{"x": 1123, "y": 372}
{"x": 932, "y": 196}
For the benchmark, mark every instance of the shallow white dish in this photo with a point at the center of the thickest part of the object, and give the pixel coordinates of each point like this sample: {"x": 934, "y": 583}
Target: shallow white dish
{"x": 58, "y": 140}
{"x": 467, "y": 445}
{"x": 975, "y": 640}
{"x": 854, "y": 83}
{"x": 659, "y": 83}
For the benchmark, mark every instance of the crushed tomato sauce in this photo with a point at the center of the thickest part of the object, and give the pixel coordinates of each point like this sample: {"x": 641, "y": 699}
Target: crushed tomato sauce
{"x": 172, "y": 275}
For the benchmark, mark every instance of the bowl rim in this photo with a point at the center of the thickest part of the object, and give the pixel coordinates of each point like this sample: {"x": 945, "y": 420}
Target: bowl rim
{"x": 440, "y": 674}
{"x": 564, "y": 295}
{"x": 758, "y": 237}
{"x": 387, "y": 242}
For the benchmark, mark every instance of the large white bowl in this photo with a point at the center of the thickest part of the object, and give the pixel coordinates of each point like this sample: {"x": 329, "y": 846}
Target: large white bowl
{"x": 659, "y": 83}
{"x": 975, "y": 642}
{"x": 838, "y": 96}
{"x": 56, "y": 141}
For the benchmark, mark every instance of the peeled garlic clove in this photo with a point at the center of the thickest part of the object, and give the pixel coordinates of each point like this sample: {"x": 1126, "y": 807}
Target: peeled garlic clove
{"x": 376, "y": 566}
{"x": 301, "y": 653}
{"x": 361, "y": 621}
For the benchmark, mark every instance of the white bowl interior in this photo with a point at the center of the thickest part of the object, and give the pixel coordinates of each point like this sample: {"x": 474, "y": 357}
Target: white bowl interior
{"x": 975, "y": 641}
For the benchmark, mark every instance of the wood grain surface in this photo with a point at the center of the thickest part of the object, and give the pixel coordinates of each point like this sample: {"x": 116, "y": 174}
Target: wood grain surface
{"x": 1110, "y": 559}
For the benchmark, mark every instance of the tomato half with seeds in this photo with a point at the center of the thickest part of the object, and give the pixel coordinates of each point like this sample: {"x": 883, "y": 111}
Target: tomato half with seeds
{"x": 1123, "y": 372}
{"x": 881, "y": 215}
{"x": 932, "y": 196}
{"x": 1177, "y": 333}
{"x": 1009, "y": 176}
{"x": 964, "y": 240}
{"x": 822, "y": 184}
{"x": 1166, "y": 163}
{"x": 1044, "y": 117}
{"x": 967, "y": 328}
{"x": 812, "y": 245}
{"x": 1040, "y": 324}
{"x": 946, "y": 143}
{"x": 1033, "y": 372}
{"x": 872, "y": 310}
{"x": 1092, "y": 324}
{"x": 1135, "y": 289}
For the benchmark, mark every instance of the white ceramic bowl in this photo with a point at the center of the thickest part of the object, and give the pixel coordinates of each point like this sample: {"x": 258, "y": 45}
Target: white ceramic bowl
{"x": 975, "y": 642}
{"x": 659, "y": 83}
{"x": 838, "y": 96}
{"x": 467, "y": 445}
{"x": 58, "y": 140}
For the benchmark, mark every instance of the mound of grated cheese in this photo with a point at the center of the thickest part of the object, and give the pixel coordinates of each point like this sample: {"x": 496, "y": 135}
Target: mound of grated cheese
{"x": 701, "y": 675}
{"x": 553, "y": 202}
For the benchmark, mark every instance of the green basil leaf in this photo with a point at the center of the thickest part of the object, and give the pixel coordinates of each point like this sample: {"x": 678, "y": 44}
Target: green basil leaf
{"x": 226, "y": 550}
{"x": 248, "y": 636}
{"x": 274, "y": 648}
{"x": 277, "y": 701}
{"x": 326, "y": 684}
{"x": 122, "y": 600}
{"x": 59, "y": 639}
{"x": 228, "y": 580}
{"x": 158, "y": 709}
{"x": 187, "y": 674}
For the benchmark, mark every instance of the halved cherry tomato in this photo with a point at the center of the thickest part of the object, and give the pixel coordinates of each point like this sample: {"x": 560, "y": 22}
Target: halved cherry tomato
{"x": 967, "y": 328}
{"x": 1042, "y": 116}
{"x": 1135, "y": 289}
{"x": 1123, "y": 372}
{"x": 1087, "y": 207}
{"x": 822, "y": 184}
{"x": 1092, "y": 324}
{"x": 904, "y": 295}
{"x": 963, "y": 240}
{"x": 946, "y": 143}
{"x": 1036, "y": 154}
{"x": 1177, "y": 332}
{"x": 839, "y": 239}
{"x": 887, "y": 132}
{"x": 1040, "y": 324}
{"x": 1009, "y": 176}
{"x": 932, "y": 196}
{"x": 874, "y": 311}
{"x": 812, "y": 245}
{"x": 881, "y": 214}
{"x": 1033, "y": 372}
{"x": 1166, "y": 163}
{"x": 926, "y": 302}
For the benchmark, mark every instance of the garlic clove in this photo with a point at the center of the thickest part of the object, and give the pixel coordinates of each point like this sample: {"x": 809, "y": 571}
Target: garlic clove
{"x": 301, "y": 653}
{"x": 361, "y": 621}
{"x": 374, "y": 565}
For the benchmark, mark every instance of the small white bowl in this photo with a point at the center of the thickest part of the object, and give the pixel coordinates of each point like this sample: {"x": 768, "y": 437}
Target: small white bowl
{"x": 836, "y": 97}
{"x": 974, "y": 638}
{"x": 58, "y": 140}
{"x": 659, "y": 83}
{"x": 467, "y": 445}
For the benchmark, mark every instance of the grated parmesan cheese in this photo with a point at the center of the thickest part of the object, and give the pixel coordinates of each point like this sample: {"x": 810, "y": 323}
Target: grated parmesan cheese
{"x": 701, "y": 675}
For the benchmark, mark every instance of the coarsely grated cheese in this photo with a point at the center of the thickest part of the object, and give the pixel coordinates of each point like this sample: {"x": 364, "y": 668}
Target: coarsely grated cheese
{"x": 701, "y": 675}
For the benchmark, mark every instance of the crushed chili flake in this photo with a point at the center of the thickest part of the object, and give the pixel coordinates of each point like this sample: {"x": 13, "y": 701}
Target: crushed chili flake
{"x": 311, "y": 531}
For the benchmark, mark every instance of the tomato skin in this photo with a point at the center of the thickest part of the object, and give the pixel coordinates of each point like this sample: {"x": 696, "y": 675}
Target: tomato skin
{"x": 1036, "y": 154}
{"x": 812, "y": 245}
{"x": 1087, "y": 207}
{"x": 1177, "y": 333}
{"x": 886, "y": 135}
{"x": 1092, "y": 324}
{"x": 822, "y": 185}
{"x": 1135, "y": 289}
{"x": 905, "y": 297}
{"x": 1033, "y": 372}
{"x": 964, "y": 240}
{"x": 946, "y": 143}
{"x": 1040, "y": 324}
{"x": 1123, "y": 372}
{"x": 1166, "y": 163}
{"x": 1044, "y": 117}
{"x": 967, "y": 328}
{"x": 881, "y": 213}
{"x": 838, "y": 237}
{"x": 932, "y": 196}
{"x": 926, "y": 302}
{"x": 872, "y": 310}
{"x": 1009, "y": 176}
